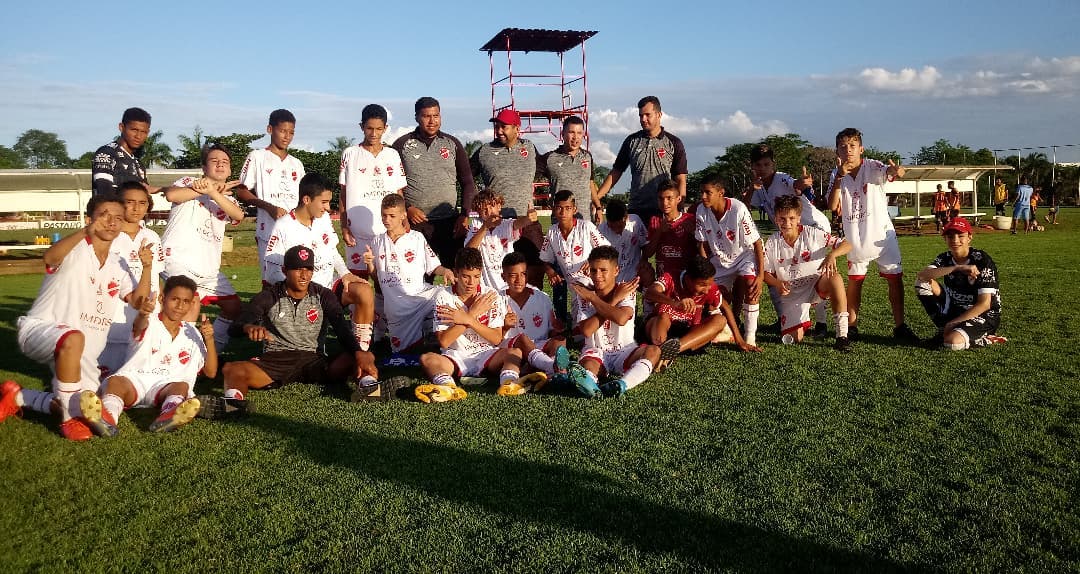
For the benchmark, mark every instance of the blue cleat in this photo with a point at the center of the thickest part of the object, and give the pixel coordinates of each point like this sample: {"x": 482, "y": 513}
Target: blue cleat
{"x": 585, "y": 384}
{"x": 613, "y": 389}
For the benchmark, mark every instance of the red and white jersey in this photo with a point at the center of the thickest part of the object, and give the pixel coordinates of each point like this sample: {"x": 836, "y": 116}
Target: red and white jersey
{"x": 495, "y": 245}
{"x": 610, "y": 337}
{"x": 865, "y": 209}
{"x": 367, "y": 179}
{"x": 784, "y": 184}
{"x": 571, "y": 252}
{"x": 84, "y": 294}
{"x": 194, "y": 234}
{"x": 629, "y": 244}
{"x": 289, "y": 232}
{"x": 729, "y": 239}
{"x": 534, "y": 318}
{"x": 798, "y": 263}
{"x": 708, "y": 303}
{"x": 470, "y": 342}
{"x": 402, "y": 264}
{"x": 159, "y": 355}
{"x": 272, "y": 179}
{"x": 126, "y": 248}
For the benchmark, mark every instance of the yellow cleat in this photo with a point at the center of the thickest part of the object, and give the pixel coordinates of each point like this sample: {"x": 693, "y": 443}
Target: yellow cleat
{"x": 439, "y": 393}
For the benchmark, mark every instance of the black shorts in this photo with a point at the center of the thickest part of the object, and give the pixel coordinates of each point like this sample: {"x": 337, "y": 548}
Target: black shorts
{"x": 288, "y": 367}
{"x": 978, "y": 327}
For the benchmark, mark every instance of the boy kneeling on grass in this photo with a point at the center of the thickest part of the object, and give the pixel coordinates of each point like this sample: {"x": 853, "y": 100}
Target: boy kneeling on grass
{"x": 799, "y": 267}
{"x": 604, "y": 310}
{"x": 468, "y": 323}
{"x": 966, "y": 305}
{"x": 691, "y": 310}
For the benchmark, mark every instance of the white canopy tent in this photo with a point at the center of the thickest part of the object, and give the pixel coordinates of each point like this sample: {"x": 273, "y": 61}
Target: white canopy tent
{"x": 920, "y": 179}
{"x": 46, "y": 190}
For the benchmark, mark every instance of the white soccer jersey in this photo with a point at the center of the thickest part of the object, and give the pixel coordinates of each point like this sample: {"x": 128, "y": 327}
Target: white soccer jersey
{"x": 194, "y": 234}
{"x": 494, "y": 247}
{"x": 272, "y": 179}
{"x": 402, "y": 264}
{"x": 368, "y": 179}
{"x": 784, "y": 184}
{"x": 610, "y": 337}
{"x": 84, "y": 294}
{"x": 629, "y": 244}
{"x": 289, "y": 232}
{"x": 571, "y": 252}
{"x": 731, "y": 238}
{"x": 534, "y": 317}
{"x": 798, "y": 263}
{"x": 127, "y": 248}
{"x": 865, "y": 210}
{"x": 470, "y": 342}
{"x": 158, "y": 357}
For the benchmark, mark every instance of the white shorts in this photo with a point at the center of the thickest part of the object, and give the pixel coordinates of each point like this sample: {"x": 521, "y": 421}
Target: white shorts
{"x": 408, "y": 317}
{"x": 354, "y": 256}
{"x": 39, "y": 340}
{"x": 509, "y": 342}
{"x": 795, "y": 309}
{"x": 744, "y": 267}
{"x": 211, "y": 289}
{"x": 887, "y": 259}
{"x": 148, "y": 388}
{"x": 470, "y": 365}
{"x": 613, "y": 361}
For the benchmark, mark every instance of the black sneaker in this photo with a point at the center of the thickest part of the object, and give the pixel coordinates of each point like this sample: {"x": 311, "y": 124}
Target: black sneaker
{"x": 843, "y": 344}
{"x": 936, "y": 342}
{"x": 668, "y": 351}
{"x": 853, "y": 333}
{"x": 904, "y": 333}
{"x": 215, "y": 407}
{"x": 382, "y": 391}
{"x": 821, "y": 330}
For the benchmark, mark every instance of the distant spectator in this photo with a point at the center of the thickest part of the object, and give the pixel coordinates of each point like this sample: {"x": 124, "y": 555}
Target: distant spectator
{"x": 1052, "y": 203}
{"x": 1001, "y": 195}
{"x": 1022, "y": 205}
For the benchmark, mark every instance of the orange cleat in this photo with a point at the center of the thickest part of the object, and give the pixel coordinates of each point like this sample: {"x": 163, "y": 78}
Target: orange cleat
{"x": 75, "y": 429}
{"x": 9, "y": 390}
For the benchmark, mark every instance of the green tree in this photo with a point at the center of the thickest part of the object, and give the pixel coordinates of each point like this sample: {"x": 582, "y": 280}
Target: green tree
{"x": 84, "y": 161}
{"x": 339, "y": 144}
{"x": 883, "y": 156}
{"x": 42, "y": 150}
{"x": 190, "y": 150}
{"x": 471, "y": 147}
{"x": 156, "y": 153}
{"x": 10, "y": 159}
{"x": 942, "y": 152}
{"x": 326, "y": 163}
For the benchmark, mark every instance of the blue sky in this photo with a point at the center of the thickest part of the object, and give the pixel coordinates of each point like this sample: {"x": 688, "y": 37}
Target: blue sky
{"x": 994, "y": 74}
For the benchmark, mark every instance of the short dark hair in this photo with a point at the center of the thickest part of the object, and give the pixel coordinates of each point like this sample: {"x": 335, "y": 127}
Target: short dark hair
{"x": 572, "y": 120}
{"x": 562, "y": 195}
{"x": 666, "y": 184}
{"x": 760, "y": 151}
{"x": 715, "y": 180}
{"x": 180, "y": 281}
{"x": 616, "y": 210}
{"x": 1024, "y": 180}
{"x": 787, "y": 202}
{"x": 604, "y": 253}
{"x": 699, "y": 266}
{"x": 391, "y": 200}
{"x": 468, "y": 258}
{"x": 135, "y": 115}
{"x": 513, "y": 258}
{"x": 213, "y": 146}
{"x": 281, "y": 116}
{"x": 655, "y": 101}
{"x": 312, "y": 185}
{"x": 849, "y": 133}
{"x": 424, "y": 103}
{"x": 97, "y": 200}
{"x": 130, "y": 185}
{"x": 372, "y": 112}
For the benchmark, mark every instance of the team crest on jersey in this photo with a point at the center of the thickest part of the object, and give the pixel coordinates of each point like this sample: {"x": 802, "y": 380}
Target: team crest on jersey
{"x": 114, "y": 288}
{"x": 154, "y": 351}
{"x": 444, "y": 152}
{"x": 410, "y": 256}
{"x": 389, "y": 171}
{"x": 538, "y": 320}
{"x": 326, "y": 239}
{"x": 395, "y": 342}
{"x": 134, "y": 255}
{"x": 730, "y": 235}
{"x": 578, "y": 251}
{"x": 805, "y": 256}
{"x": 312, "y": 315}
{"x": 660, "y": 153}
{"x": 783, "y": 320}
{"x": 220, "y": 215}
{"x": 362, "y": 170}
{"x": 184, "y": 357}
{"x": 524, "y": 152}
{"x": 355, "y": 258}
{"x": 584, "y": 165}
{"x": 294, "y": 176}
{"x": 168, "y": 251}
{"x": 505, "y": 242}
{"x": 483, "y": 319}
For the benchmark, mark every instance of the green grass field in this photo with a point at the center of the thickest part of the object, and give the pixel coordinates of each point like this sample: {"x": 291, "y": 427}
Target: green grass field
{"x": 798, "y": 458}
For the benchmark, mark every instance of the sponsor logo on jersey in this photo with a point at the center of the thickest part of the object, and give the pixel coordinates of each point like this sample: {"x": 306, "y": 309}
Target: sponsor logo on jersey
{"x": 273, "y": 241}
{"x": 312, "y": 315}
{"x": 746, "y": 228}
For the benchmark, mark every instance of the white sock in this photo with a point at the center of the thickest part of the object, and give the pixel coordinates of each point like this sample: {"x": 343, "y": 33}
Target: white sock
{"x": 170, "y": 402}
{"x": 507, "y": 376}
{"x": 821, "y": 311}
{"x": 221, "y": 333}
{"x": 592, "y": 378}
{"x": 443, "y": 379}
{"x": 113, "y": 405}
{"x": 363, "y": 335}
{"x": 637, "y": 373}
{"x": 234, "y": 394}
{"x": 69, "y": 405}
{"x": 841, "y": 324}
{"x": 37, "y": 401}
{"x": 750, "y": 324}
{"x": 540, "y": 360}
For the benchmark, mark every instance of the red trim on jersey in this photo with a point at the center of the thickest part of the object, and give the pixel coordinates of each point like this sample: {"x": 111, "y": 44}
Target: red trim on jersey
{"x": 213, "y": 299}
{"x": 88, "y": 241}
{"x": 60, "y": 341}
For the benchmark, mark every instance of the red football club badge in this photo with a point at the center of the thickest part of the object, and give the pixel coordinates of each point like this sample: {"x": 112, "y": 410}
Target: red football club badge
{"x": 483, "y": 319}
{"x": 524, "y": 152}
{"x": 168, "y": 251}
{"x": 409, "y": 256}
{"x": 389, "y": 171}
{"x": 114, "y": 288}
{"x": 303, "y": 254}
{"x": 538, "y": 320}
{"x": 660, "y": 153}
{"x": 312, "y": 315}
{"x": 730, "y": 235}
{"x": 220, "y": 215}
{"x": 584, "y": 165}
{"x": 325, "y": 239}
{"x": 134, "y": 255}
{"x": 294, "y": 176}
{"x": 444, "y": 152}
{"x": 355, "y": 258}
{"x": 184, "y": 357}
{"x": 805, "y": 256}
{"x": 578, "y": 251}
{"x": 395, "y": 342}
{"x": 505, "y": 242}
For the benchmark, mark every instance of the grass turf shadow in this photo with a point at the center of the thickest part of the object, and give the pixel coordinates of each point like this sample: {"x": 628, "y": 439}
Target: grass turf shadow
{"x": 585, "y": 502}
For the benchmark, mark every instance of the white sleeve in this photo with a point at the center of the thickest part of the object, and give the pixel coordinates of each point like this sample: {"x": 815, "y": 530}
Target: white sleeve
{"x": 547, "y": 252}
{"x": 699, "y": 225}
{"x": 344, "y": 167}
{"x": 442, "y": 297}
{"x": 274, "y": 257}
{"x": 249, "y": 172}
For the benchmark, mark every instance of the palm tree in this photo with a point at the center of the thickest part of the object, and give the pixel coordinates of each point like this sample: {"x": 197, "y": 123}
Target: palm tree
{"x": 339, "y": 144}
{"x": 191, "y": 149}
{"x": 156, "y": 153}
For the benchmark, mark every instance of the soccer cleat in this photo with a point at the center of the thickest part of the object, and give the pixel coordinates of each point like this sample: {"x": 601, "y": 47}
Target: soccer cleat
{"x": 821, "y": 330}
{"x": 522, "y": 385}
{"x": 215, "y": 407}
{"x": 904, "y": 333}
{"x": 853, "y": 333}
{"x": 95, "y": 416}
{"x": 843, "y": 344}
{"x": 613, "y": 389}
{"x": 75, "y": 429}
{"x": 725, "y": 336}
{"x": 562, "y": 360}
{"x": 585, "y": 385}
{"x": 382, "y": 391}
{"x": 668, "y": 351}
{"x": 176, "y": 417}
{"x": 9, "y": 391}
{"x": 432, "y": 393}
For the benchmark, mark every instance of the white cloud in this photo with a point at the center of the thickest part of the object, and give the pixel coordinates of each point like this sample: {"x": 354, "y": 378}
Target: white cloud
{"x": 736, "y": 127}
{"x": 906, "y": 80}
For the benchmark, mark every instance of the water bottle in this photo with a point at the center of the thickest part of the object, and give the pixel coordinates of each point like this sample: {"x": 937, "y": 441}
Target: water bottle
{"x": 788, "y": 339}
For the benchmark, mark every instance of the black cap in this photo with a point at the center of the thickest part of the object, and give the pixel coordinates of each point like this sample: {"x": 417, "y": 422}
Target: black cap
{"x": 299, "y": 257}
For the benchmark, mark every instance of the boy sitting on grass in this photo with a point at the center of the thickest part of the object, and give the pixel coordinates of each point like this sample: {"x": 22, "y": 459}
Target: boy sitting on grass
{"x": 468, "y": 323}
{"x": 604, "y": 311}
{"x": 530, "y": 325}
{"x": 801, "y": 267}
{"x": 690, "y": 310}
{"x": 495, "y": 236}
{"x": 966, "y": 304}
